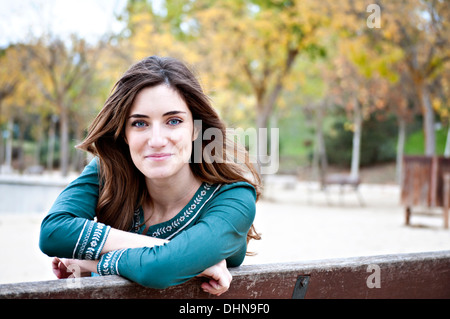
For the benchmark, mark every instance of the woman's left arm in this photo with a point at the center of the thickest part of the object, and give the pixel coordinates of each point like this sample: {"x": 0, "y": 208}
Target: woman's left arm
{"x": 221, "y": 233}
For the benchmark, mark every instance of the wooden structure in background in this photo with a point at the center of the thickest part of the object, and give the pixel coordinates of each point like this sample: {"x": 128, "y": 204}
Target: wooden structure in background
{"x": 426, "y": 184}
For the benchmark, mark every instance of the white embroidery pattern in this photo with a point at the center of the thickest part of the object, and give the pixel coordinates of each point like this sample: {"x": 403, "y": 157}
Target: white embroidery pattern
{"x": 93, "y": 236}
{"x": 186, "y": 215}
{"x": 109, "y": 263}
{"x": 183, "y": 220}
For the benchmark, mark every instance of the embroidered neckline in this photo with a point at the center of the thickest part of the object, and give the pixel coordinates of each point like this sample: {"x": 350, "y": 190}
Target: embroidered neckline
{"x": 169, "y": 228}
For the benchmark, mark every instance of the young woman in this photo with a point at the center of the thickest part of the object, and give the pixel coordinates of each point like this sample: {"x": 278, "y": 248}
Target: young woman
{"x": 145, "y": 207}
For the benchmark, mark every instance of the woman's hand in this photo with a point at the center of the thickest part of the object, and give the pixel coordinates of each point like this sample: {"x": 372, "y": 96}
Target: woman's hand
{"x": 220, "y": 279}
{"x": 64, "y": 268}
{"x": 60, "y": 268}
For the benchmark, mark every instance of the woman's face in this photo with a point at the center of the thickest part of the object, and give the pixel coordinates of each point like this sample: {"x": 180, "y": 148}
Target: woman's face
{"x": 159, "y": 131}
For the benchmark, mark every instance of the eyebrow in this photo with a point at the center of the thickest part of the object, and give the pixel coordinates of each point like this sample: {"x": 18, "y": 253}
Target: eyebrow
{"x": 146, "y": 116}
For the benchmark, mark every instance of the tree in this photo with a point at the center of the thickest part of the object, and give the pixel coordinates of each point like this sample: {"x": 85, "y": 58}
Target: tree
{"x": 63, "y": 74}
{"x": 252, "y": 47}
{"x": 424, "y": 36}
{"x": 381, "y": 78}
{"x": 154, "y": 33}
{"x": 11, "y": 66}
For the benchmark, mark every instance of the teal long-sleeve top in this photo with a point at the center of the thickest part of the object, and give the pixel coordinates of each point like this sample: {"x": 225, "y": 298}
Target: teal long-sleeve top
{"x": 212, "y": 227}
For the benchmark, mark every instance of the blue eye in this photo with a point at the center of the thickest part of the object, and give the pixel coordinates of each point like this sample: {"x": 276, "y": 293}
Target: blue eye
{"x": 138, "y": 124}
{"x": 174, "y": 122}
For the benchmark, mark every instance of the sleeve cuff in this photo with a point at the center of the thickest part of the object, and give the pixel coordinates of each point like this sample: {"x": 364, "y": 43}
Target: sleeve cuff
{"x": 91, "y": 240}
{"x": 108, "y": 264}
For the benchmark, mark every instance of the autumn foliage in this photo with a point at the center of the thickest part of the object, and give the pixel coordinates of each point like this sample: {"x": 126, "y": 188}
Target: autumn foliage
{"x": 261, "y": 61}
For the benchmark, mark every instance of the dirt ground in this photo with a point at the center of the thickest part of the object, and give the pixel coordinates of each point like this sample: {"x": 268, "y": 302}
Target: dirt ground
{"x": 297, "y": 221}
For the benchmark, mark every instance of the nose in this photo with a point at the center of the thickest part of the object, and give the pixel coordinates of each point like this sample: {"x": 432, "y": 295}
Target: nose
{"x": 158, "y": 138}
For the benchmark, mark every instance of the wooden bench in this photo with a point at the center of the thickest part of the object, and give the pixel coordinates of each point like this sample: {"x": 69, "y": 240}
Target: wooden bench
{"x": 413, "y": 275}
{"x": 426, "y": 186}
{"x": 343, "y": 180}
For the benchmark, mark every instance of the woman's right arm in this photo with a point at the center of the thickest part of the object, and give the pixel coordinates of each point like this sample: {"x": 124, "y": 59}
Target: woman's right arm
{"x": 69, "y": 229}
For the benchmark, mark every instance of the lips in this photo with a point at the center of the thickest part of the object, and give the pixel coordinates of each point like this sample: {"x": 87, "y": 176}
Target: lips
{"x": 158, "y": 156}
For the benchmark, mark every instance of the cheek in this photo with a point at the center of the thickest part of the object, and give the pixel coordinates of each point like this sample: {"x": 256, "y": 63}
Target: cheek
{"x": 177, "y": 136}
{"x": 181, "y": 137}
{"x": 182, "y": 141}
{"x": 134, "y": 142}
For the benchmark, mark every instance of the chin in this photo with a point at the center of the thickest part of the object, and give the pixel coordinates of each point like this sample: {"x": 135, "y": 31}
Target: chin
{"x": 157, "y": 174}
{"x": 160, "y": 170}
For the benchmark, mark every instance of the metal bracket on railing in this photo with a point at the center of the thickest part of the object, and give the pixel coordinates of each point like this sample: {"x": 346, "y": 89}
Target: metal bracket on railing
{"x": 300, "y": 287}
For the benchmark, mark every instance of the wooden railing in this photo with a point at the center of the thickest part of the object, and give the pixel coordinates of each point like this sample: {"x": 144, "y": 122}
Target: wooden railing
{"x": 413, "y": 275}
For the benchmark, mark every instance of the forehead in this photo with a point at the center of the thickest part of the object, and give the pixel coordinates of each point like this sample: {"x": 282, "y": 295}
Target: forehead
{"x": 158, "y": 99}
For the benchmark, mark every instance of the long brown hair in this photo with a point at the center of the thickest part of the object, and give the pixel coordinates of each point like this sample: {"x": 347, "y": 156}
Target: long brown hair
{"x": 122, "y": 185}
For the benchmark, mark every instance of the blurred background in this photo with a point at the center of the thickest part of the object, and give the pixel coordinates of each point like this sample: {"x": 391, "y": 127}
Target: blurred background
{"x": 352, "y": 85}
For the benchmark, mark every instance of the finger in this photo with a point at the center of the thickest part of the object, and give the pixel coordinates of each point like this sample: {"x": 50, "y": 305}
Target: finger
{"x": 215, "y": 284}
{"x": 59, "y": 268}
{"x": 57, "y": 272}
{"x": 55, "y": 262}
{"x": 56, "y": 268}
{"x": 209, "y": 288}
{"x": 213, "y": 287}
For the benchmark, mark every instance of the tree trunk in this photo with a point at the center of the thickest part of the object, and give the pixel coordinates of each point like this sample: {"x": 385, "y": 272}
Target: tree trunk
{"x": 51, "y": 142}
{"x": 77, "y": 159}
{"x": 320, "y": 155}
{"x": 428, "y": 121}
{"x": 9, "y": 146}
{"x": 21, "y": 148}
{"x": 64, "y": 138}
{"x": 268, "y": 162}
{"x": 39, "y": 143}
{"x": 447, "y": 143}
{"x": 261, "y": 125}
{"x": 356, "y": 149}
{"x": 262, "y": 157}
{"x": 400, "y": 148}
